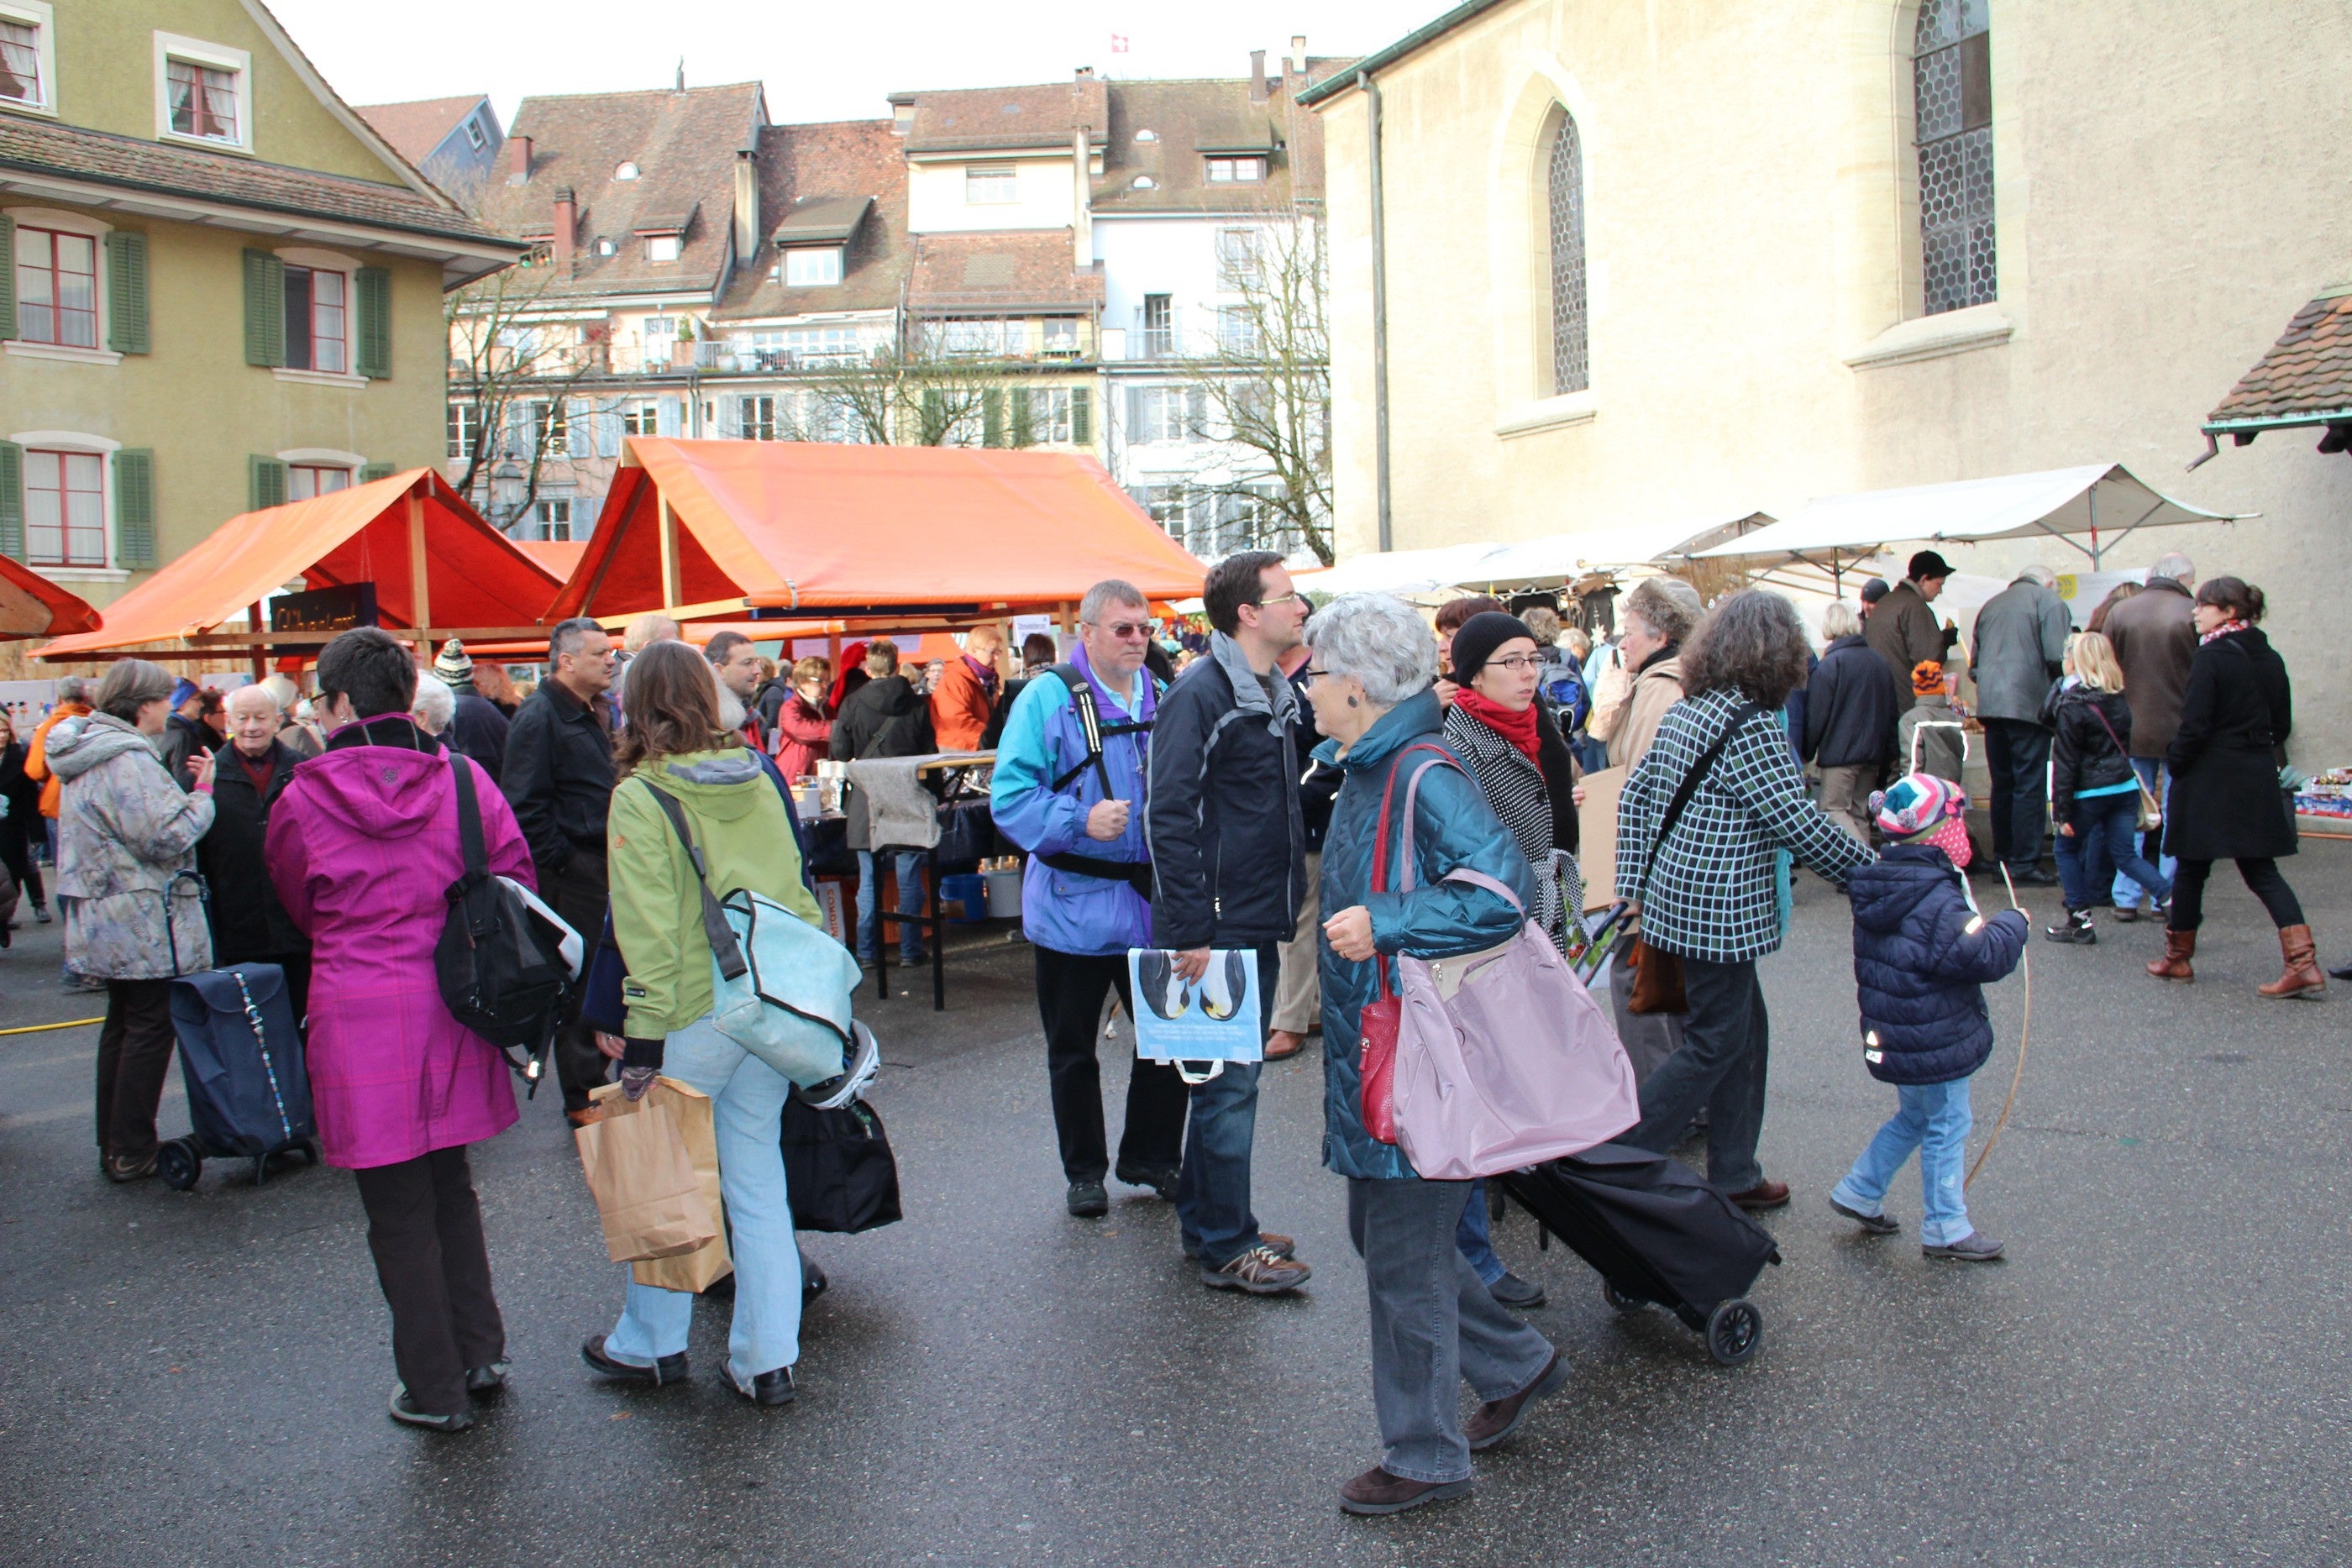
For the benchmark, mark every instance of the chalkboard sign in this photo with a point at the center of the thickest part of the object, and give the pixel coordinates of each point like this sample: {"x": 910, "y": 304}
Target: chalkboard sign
{"x": 324, "y": 609}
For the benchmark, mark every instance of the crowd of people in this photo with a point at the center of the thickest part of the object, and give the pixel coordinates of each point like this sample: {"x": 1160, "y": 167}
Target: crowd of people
{"x": 1232, "y": 807}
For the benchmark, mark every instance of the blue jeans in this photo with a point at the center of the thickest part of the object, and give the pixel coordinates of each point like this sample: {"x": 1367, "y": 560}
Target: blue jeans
{"x": 910, "y": 902}
{"x": 1213, "y": 1192}
{"x": 747, "y": 1104}
{"x": 2105, "y": 843}
{"x": 2128, "y": 893}
{"x": 1470, "y": 1238}
{"x": 1932, "y": 1118}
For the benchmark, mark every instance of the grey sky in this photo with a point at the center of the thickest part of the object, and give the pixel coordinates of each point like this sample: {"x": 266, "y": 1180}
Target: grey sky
{"x": 819, "y": 62}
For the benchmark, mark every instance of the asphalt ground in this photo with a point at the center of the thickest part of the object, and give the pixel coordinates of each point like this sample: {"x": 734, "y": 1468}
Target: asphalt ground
{"x": 2156, "y": 1374}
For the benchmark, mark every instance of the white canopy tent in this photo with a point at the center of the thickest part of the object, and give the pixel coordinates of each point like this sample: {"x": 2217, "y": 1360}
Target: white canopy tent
{"x": 2102, "y": 501}
{"x": 1403, "y": 573}
{"x": 1563, "y": 558}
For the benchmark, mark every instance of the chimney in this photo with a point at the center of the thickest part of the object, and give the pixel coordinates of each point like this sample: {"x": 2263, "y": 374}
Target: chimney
{"x": 1082, "y": 199}
{"x": 1299, "y": 55}
{"x": 1086, "y": 73}
{"x": 1257, "y": 76}
{"x": 567, "y": 229}
{"x": 747, "y": 206}
{"x": 519, "y": 160}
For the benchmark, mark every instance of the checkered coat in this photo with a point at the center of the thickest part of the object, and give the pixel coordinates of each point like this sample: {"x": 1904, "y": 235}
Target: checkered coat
{"x": 1710, "y": 894}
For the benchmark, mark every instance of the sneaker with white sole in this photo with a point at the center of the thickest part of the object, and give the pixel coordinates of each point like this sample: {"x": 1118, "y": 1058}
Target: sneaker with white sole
{"x": 1260, "y": 1270}
{"x": 1974, "y": 1248}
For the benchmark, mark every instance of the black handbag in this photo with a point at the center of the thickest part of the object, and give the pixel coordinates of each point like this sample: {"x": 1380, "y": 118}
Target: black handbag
{"x": 500, "y": 962}
{"x": 838, "y": 1167}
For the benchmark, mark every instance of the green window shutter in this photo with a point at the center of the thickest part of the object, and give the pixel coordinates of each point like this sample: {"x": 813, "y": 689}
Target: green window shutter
{"x": 375, "y": 471}
{"x": 933, "y": 432}
{"x": 267, "y": 482}
{"x": 134, "y": 509}
{"x": 12, "y": 500}
{"x": 1025, "y": 404}
{"x": 372, "y": 357}
{"x": 992, "y": 418}
{"x": 265, "y": 310}
{"x": 126, "y": 292}
{"x": 7, "y": 275}
{"x": 1082, "y": 423}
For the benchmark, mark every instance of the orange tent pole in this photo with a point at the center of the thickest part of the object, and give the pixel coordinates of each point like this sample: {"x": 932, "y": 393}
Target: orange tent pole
{"x": 420, "y": 591}
{"x": 673, "y": 592}
{"x": 260, "y": 658}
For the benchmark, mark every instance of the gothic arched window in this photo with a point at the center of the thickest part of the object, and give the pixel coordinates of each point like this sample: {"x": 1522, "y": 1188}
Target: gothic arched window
{"x": 1952, "y": 76}
{"x": 1571, "y": 368}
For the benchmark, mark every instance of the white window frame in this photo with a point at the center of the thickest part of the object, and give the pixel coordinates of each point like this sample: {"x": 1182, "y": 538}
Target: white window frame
{"x": 81, "y": 443}
{"x": 673, "y": 244}
{"x": 42, "y": 18}
{"x": 823, "y": 260}
{"x": 541, "y": 522}
{"x": 78, "y": 223}
{"x": 977, "y": 176}
{"x": 170, "y": 46}
{"x": 468, "y": 419}
{"x": 1233, "y": 164}
{"x": 475, "y": 135}
{"x": 646, "y": 411}
{"x": 1049, "y": 415}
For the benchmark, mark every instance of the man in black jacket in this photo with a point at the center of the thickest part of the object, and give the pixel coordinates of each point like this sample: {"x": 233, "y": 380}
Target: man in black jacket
{"x": 1228, "y": 854}
{"x": 185, "y": 734}
{"x": 559, "y": 780}
{"x": 1850, "y": 714}
{"x": 477, "y": 730}
{"x": 886, "y": 716}
{"x": 250, "y": 925}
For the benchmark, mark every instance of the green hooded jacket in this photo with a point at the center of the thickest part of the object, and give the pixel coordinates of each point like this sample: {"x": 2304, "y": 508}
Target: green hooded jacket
{"x": 738, "y": 818}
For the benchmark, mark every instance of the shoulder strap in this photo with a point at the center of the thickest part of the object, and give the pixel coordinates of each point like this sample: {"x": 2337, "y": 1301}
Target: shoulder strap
{"x": 469, "y": 821}
{"x": 1081, "y": 696}
{"x": 715, "y": 929}
{"x": 1691, "y": 781}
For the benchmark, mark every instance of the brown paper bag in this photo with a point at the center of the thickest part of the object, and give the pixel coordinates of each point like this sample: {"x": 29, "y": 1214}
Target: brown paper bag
{"x": 645, "y": 1189}
{"x": 696, "y": 1270}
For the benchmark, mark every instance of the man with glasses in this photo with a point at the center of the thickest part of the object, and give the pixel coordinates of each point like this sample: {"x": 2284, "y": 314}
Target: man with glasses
{"x": 1228, "y": 854}
{"x": 559, "y": 780}
{"x": 1069, "y": 786}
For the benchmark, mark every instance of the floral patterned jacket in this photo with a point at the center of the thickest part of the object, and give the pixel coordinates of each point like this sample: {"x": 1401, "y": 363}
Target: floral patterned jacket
{"x": 127, "y": 855}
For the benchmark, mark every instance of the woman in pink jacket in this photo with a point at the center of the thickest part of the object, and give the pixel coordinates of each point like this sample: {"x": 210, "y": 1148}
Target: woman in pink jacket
{"x": 362, "y": 847}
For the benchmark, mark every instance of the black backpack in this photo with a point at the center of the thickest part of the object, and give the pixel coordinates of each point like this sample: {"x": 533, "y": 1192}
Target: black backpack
{"x": 499, "y": 961}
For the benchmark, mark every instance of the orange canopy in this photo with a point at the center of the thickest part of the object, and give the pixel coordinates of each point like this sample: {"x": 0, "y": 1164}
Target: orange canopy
{"x": 803, "y": 525}
{"x": 33, "y": 606}
{"x": 388, "y": 533}
{"x": 558, "y": 555}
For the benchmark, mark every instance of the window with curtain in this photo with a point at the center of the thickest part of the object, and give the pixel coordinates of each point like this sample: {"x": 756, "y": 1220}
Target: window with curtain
{"x": 57, "y": 288}
{"x": 203, "y": 100}
{"x": 20, "y": 62}
{"x": 1571, "y": 369}
{"x": 65, "y": 508}
{"x": 1951, "y": 74}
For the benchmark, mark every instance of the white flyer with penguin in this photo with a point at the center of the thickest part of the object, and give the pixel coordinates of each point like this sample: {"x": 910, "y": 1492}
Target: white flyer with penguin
{"x": 1213, "y": 1018}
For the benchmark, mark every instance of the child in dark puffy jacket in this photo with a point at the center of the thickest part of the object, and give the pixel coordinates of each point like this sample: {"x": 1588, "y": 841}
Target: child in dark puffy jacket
{"x": 1921, "y": 952}
{"x": 2094, "y": 792}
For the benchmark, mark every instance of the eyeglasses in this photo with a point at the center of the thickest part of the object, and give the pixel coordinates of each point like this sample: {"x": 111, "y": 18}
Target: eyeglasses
{"x": 1519, "y": 664}
{"x": 1293, "y": 598}
{"x": 1128, "y": 631}
{"x": 1313, "y": 673}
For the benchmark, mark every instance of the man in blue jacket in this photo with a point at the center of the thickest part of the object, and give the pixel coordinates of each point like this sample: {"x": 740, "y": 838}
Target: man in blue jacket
{"x": 1229, "y": 862}
{"x": 1076, "y": 806}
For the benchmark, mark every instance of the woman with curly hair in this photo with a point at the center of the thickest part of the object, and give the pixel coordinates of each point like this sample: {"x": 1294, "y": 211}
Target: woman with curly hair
{"x": 1699, "y": 825}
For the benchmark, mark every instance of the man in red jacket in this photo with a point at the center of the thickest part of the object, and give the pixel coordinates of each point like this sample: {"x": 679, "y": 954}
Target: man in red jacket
{"x": 966, "y": 693}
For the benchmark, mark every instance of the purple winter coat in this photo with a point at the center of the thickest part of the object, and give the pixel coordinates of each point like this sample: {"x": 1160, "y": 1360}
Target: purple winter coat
{"x": 362, "y": 846}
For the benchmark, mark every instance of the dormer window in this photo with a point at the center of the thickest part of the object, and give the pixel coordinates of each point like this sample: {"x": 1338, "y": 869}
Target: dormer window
{"x": 626, "y": 172}
{"x": 1147, "y": 134}
{"x": 661, "y": 247}
{"x": 605, "y": 247}
{"x": 1144, "y": 183}
{"x": 203, "y": 91}
{"x": 474, "y": 137}
{"x": 1236, "y": 171}
{"x": 813, "y": 268}
{"x": 28, "y": 55}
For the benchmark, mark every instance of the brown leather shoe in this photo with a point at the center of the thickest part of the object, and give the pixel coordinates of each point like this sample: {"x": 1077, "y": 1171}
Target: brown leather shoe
{"x": 1376, "y": 1491}
{"x": 1763, "y": 1195}
{"x": 1282, "y": 1044}
{"x": 2302, "y": 977}
{"x": 1498, "y": 1419}
{"x": 2179, "y": 947}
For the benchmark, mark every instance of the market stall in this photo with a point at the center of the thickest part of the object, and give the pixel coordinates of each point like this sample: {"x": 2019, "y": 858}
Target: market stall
{"x": 33, "y": 606}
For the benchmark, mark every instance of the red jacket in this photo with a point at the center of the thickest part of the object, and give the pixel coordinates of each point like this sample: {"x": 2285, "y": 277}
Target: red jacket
{"x": 960, "y": 705}
{"x": 802, "y": 734}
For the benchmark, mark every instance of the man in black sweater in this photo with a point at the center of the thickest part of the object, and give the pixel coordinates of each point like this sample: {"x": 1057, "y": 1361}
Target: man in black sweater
{"x": 559, "y": 780}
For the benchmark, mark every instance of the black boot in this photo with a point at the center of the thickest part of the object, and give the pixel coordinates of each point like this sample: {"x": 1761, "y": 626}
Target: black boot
{"x": 2076, "y": 928}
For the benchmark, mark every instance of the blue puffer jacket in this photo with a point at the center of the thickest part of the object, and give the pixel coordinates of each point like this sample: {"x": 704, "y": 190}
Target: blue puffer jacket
{"x": 1067, "y": 911}
{"x": 1920, "y": 954}
{"x": 1454, "y": 828}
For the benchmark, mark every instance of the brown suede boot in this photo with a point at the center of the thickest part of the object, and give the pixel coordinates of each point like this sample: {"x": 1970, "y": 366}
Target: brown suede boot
{"x": 2180, "y": 946}
{"x": 2302, "y": 977}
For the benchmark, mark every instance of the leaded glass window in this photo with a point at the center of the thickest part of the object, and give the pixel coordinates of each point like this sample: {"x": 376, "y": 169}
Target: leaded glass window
{"x": 1571, "y": 369}
{"x": 1952, "y": 77}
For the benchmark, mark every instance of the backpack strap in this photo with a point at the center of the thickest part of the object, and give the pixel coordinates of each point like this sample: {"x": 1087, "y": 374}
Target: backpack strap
{"x": 477, "y": 857}
{"x": 715, "y": 929}
{"x": 1081, "y": 696}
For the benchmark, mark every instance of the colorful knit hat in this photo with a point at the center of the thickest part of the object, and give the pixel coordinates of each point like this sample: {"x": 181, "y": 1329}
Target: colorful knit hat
{"x": 454, "y": 665}
{"x": 1920, "y": 808}
{"x": 1926, "y": 679}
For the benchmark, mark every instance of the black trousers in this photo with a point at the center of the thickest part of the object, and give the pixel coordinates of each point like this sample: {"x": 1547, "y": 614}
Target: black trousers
{"x": 1070, "y": 991}
{"x": 2018, "y": 754}
{"x": 17, "y": 855}
{"x": 2263, "y": 878}
{"x": 134, "y": 1053}
{"x": 424, "y": 1229}
{"x": 578, "y": 893}
{"x": 1721, "y": 1064}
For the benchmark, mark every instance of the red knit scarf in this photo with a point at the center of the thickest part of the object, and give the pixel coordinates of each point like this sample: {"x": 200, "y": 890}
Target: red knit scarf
{"x": 1517, "y": 726}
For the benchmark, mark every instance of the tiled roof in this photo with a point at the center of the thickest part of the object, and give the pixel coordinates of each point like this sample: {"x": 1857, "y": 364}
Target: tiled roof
{"x": 1006, "y": 119}
{"x": 811, "y": 173}
{"x": 813, "y": 220}
{"x": 2308, "y": 372}
{"x": 1005, "y": 271}
{"x": 415, "y": 130}
{"x": 684, "y": 145}
{"x": 1190, "y": 120}
{"x": 95, "y": 157}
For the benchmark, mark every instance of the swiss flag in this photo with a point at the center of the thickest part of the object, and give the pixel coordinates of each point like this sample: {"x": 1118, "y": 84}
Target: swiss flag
{"x": 1118, "y": 43}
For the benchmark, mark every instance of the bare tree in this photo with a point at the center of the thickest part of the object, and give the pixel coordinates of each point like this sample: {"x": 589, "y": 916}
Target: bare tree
{"x": 504, "y": 358}
{"x": 1266, "y": 374}
{"x": 918, "y": 391}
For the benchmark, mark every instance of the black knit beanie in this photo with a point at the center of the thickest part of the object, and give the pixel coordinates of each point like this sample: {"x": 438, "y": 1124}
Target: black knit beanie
{"x": 1480, "y": 635}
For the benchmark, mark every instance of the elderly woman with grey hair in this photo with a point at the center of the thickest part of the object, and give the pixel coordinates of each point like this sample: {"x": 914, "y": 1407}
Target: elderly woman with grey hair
{"x": 1368, "y": 679}
{"x": 1706, "y": 884}
{"x": 433, "y": 707}
{"x": 1659, "y": 614}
